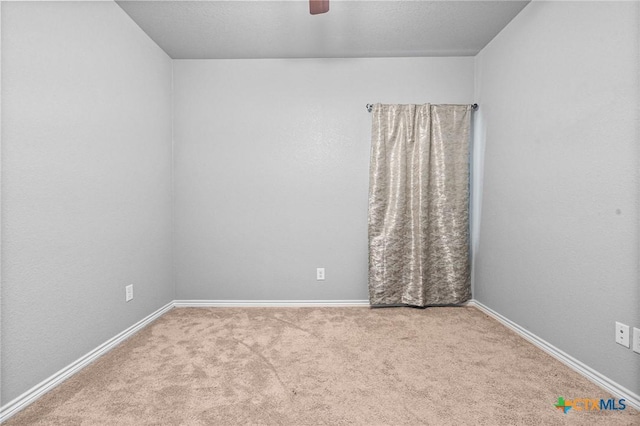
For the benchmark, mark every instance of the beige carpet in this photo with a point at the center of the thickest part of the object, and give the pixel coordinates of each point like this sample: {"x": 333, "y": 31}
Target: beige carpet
{"x": 315, "y": 366}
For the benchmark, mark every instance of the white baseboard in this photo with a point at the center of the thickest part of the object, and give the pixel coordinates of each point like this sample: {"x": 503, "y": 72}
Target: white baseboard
{"x": 267, "y": 303}
{"x": 17, "y": 404}
{"x": 599, "y": 379}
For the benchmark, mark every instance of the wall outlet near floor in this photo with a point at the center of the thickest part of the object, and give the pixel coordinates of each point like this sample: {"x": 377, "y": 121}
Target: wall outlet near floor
{"x": 636, "y": 340}
{"x": 320, "y": 274}
{"x": 128, "y": 292}
{"x": 622, "y": 334}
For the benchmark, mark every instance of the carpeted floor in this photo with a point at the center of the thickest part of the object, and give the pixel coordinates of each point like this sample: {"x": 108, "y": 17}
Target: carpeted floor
{"x": 315, "y": 366}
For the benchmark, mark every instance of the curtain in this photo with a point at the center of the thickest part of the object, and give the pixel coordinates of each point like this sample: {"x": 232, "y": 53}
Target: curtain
{"x": 419, "y": 205}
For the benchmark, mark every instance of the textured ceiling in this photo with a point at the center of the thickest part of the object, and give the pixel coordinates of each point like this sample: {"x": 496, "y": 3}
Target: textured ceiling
{"x": 285, "y": 29}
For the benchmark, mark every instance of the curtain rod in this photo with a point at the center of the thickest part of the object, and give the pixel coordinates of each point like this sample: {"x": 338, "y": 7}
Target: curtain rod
{"x": 370, "y": 107}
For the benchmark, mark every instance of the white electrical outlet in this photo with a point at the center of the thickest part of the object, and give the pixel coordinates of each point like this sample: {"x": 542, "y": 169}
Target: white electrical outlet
{"x": 129, "y": 292}
{"x": 320, "y": 274}
{"x": 622, "y": 334}
{"x": 636, "y": 340}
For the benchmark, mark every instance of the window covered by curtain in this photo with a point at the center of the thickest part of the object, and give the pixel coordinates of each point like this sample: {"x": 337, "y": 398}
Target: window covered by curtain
{"x": 419, "y": 205}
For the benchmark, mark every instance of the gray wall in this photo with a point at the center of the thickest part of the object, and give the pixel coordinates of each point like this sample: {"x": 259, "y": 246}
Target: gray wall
{"x": 271, "y": 177}
{"x": 271, "y": 169}
{"x": 558, "y": 245}
{"x": 86, "y": 183}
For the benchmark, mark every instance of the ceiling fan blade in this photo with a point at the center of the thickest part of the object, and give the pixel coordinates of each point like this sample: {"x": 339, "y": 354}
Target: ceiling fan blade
{"x": 318, "y": 6}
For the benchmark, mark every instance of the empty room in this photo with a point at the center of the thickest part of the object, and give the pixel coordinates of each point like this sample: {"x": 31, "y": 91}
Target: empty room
{"x": 314, "y": 212}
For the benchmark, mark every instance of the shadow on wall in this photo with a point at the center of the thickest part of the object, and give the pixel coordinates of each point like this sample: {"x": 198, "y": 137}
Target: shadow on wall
{"x": 478, "y": 138}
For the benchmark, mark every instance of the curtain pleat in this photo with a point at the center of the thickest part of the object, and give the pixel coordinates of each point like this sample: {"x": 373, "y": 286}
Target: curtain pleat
{"x": 419, "y": 205}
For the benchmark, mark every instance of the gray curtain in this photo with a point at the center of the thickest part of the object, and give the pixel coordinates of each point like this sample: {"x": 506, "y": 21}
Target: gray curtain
{"x": 419, "y": 205}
